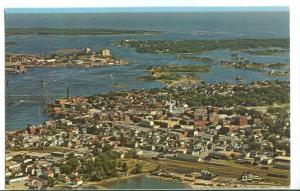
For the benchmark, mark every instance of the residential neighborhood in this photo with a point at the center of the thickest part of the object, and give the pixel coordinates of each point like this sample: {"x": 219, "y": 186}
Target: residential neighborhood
{"x": 159, "y": 127}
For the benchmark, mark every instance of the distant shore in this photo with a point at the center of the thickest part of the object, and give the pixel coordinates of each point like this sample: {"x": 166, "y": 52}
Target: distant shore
{"x": 75, "y": 31}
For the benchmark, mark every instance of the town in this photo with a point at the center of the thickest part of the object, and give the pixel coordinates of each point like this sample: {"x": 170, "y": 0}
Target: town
{"x": 18, "y": 63}
{"x": 207, "y": 135}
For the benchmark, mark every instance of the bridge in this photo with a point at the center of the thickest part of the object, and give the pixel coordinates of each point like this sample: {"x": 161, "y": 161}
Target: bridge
{"x": 44, "y": 97}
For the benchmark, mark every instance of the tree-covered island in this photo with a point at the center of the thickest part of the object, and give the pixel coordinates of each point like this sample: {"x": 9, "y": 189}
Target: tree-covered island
{"x": 193, "y": 58}
{"x": 201, "y": 46}
{"x": 173, "y": 74}
{"x": 266, "y": 52}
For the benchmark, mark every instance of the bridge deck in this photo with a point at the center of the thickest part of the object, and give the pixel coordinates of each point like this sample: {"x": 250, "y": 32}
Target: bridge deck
{"x": 33, "y": 97}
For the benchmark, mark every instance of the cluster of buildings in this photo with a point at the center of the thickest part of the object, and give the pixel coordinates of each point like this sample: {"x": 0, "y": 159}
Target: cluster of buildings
{"x": 87, "y": 58}
{"x": 144, "y": 122}
{"x": 36, "y": 168}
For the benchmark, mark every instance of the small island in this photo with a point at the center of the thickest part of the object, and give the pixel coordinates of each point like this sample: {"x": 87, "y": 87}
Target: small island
{"x": 175, "y": 74}
{"x": 239, "y": 62}
{"x": 193, "y": 58}
{"x": 255, "y": 66}
{"x": 278, "y": 73}
{"x": 266, "y": 52}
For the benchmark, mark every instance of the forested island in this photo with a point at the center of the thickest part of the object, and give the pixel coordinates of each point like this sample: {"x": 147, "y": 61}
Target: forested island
{"x": 266, "y": 52}
{"x": 193, "y": 58}
{"x": 76, "y": 31}
{"x": 200, "y": 46}
{"x": 175, "y": 74}
{"x": 256, "y": 66}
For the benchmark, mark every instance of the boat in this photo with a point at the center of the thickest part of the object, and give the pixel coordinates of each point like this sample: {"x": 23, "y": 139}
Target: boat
{"x": 238, "y": 78}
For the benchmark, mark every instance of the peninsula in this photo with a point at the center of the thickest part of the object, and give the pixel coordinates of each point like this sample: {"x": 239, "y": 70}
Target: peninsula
{"x": 62, "y": 58}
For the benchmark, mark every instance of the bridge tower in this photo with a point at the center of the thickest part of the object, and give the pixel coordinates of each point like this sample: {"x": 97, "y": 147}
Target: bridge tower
{"x": 43, "y": 97}
{"x": 43, "y": 92}
{"x": 7, "y": 92}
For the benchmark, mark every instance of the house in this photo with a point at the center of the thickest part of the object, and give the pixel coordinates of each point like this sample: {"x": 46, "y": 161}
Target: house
{"x": 8, "y": 157}
{"x": 38, "y": 172}
{"x": 280, "y": 152}
{"x": 77, "y": 181}
{"x": 219, "y": 155}
{"x": 105, "y": 52}
{"x": 260, "y": 158}
{"x": 36, "y": 183}
{"x": 63, "y": 178}
{"x": 11, "y": 165}
{"x": 282, "y": 159}
{"x": 37, "y": 155}
{"x": 208, "y": 137}
{"x": 17, "y": 179}
{"x": 187, "y": 158}
{"x": 58, "y": 154}
{"x": 56, "y": 170}
{"x": 122, "y": 155}
{"x": 22, "y": 159}
{"x": 267, "y": 161}
{"x": 240, "y": 121}
{"x": 7, "y": 173}
{"x": 245, "y": 161}
{"x": 181, "y": 150}
{"x": 136, "y": 152}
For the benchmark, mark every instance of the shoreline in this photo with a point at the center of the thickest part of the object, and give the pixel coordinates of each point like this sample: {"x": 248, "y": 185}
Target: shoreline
{"x": 80, "y": 66}
{"x": 188, "y": 184}
{"x": 104, "y": 183}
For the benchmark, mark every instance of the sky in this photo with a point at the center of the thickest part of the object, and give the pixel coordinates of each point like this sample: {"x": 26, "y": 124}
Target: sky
{"x": 142, "y": 9}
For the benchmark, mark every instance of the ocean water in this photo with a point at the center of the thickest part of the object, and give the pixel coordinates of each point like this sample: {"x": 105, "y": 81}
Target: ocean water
{"x": 145, "y": 182}
{"x": 88, "y": 81}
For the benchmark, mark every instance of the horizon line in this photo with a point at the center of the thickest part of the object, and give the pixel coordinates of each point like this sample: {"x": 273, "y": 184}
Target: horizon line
{"x": 143, "y": 10}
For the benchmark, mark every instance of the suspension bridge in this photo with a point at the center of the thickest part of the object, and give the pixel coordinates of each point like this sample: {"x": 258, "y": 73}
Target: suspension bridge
{"x": 44, "y": 97}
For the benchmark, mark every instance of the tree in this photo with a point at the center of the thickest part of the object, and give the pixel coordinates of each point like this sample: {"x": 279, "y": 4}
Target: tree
{"x": 137, "y": 169}
{"x": 74, "y": 163}
{"x": 107, "y": 147}
{"x": 65, "y": 168}
{"x": 124, "y": 167}
{"x": 119, "y": 164}
{"x": 51, "y": 181}
{"x": 71, "y": 164}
